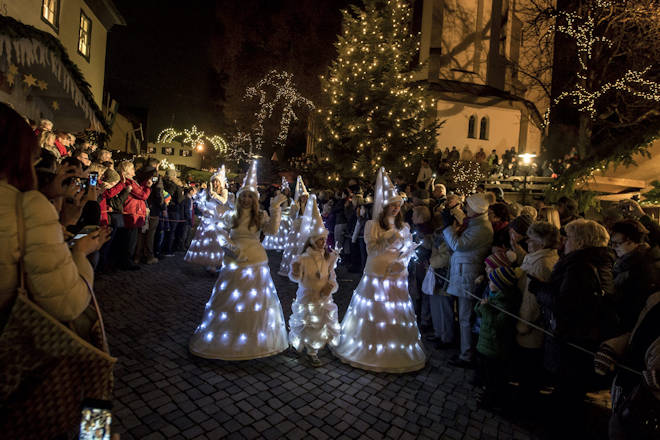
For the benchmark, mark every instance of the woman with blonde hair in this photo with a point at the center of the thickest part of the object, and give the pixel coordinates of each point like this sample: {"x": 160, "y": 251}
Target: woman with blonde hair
{"x": 549, "y": 214}
{"x": 243, "y": 319}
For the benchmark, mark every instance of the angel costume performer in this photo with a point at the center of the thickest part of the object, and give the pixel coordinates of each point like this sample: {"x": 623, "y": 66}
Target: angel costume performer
{"x": 379, "y": 331}
{"x": 206, "y": 247}
{"x": 278, "y": 241}
{"x": 243, "y": 319}
{"x": 313, "y": 323}
{"x": 295, "y": 213}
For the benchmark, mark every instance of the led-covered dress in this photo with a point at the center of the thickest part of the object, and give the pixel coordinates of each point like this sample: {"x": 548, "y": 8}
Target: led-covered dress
{"x": 243, "y": 318}
{"x": 379, "y": 331}
{"x": 278, "y": 241}
{"x": 300, "y": 198}
{"x": 314, "y": 322}
{"x": 206, "y": 246}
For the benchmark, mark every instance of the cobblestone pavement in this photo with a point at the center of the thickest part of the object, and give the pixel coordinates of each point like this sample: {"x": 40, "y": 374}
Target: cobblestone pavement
{"x": 163, "y": 392}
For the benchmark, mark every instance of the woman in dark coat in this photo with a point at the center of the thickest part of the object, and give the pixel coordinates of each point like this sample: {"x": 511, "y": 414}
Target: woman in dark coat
{"x": 576, "y": 304}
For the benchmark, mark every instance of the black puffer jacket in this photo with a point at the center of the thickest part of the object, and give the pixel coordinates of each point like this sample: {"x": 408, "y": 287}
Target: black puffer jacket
{"x": 577, "y": 304}
{"x": 635, "y": 279}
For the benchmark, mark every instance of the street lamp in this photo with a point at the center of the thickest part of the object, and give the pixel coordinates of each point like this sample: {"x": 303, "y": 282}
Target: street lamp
{"x": 200, "y": 148}
{"x": 525, "y": 164}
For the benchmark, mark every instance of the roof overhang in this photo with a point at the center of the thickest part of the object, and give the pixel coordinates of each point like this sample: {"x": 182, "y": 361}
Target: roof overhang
{"x": 107, "y": 12}
{"x": 28, "y": 54}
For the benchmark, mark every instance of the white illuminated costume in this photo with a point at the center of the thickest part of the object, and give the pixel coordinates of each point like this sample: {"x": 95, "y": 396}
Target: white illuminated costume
{"x": 243, "y": 318}
{"x": 278, "y": 241}
{"x": 379, "y": 331}
{"x": 299, "y": 199}
{"x": 313, "y": 323}
{"x": 206, "y": 247}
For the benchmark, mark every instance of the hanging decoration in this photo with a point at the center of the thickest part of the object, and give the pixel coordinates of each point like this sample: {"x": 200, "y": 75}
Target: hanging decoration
{"x": 192, "y": 137}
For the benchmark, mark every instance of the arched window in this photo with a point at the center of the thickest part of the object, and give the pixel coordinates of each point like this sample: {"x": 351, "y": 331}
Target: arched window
{"x": 472, "y": 127}
{"x": 483, "y": 128}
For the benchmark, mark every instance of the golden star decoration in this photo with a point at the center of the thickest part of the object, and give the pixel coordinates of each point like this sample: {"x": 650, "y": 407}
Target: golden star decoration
{"x": 13, "y": 69}
{"x": 29, "y": 80}
{"x": 55, "y": 105}
{"x": 11, "y": 79}
{"x": 43, "y": 85}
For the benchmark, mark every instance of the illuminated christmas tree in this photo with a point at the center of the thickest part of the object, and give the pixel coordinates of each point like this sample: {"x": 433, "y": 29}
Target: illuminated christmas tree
{"x": 376, "y": 114}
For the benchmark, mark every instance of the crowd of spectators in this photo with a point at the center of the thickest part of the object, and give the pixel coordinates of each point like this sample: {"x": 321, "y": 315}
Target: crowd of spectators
{"x": 482, "y": 260}
{"x": 573, "y": 282}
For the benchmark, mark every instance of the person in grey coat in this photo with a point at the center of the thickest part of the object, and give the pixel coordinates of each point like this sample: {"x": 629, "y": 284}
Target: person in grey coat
{"x": 470, "y": 243}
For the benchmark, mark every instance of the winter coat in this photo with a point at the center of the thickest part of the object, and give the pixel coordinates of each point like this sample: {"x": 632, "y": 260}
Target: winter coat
{"x": 107, "y": 195}
{"x": 635, "y": 278}
{"x": 54, "y": 273}
{"x": 135, "y": 207}
{"x": 538, "y": 264}
{"x": 497, "y": 330}
{"x": 470, "y": 249}
{"x": 577, "y": 306}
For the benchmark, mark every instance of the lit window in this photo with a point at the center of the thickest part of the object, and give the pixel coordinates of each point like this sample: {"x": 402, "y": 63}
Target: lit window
{"x": 50, "y": 12}
{"x": 472, "y": 123}
{"x": 84, "y": 35}
{"x": 483, "y": 128}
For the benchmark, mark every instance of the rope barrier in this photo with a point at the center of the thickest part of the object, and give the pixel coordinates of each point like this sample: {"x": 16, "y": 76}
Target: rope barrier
{"x": 541, "y": 329}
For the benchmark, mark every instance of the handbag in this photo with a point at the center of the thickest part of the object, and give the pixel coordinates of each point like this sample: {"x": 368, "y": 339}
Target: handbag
{"x": 428, "y": 284}
{"x": 46, "y": 369}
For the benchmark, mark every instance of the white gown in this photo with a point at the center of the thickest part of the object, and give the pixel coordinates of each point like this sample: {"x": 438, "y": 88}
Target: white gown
{"x": 313, "y": 323}
{"x": 291, "y": 241}
{"x": 379, "y": 331}
{"x": 206, "y": 246}
{"x": 243, "y": 319}
{"x": 278, "y": 241}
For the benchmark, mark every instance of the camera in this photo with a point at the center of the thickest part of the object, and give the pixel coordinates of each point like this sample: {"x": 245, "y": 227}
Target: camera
{"x": 154, "y": 179}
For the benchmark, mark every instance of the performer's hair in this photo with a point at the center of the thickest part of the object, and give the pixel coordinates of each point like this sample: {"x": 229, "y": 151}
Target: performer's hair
{"x": 398, "y": 220}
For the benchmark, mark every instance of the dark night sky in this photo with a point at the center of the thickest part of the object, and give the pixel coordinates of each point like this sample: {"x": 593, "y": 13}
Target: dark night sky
{"x": 189, "y": 62}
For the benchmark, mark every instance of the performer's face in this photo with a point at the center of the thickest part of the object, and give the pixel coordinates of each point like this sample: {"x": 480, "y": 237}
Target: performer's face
{"x": 246, "y": 199}
{"x": 393, "y": 209}
{"x": 319, "y": 243}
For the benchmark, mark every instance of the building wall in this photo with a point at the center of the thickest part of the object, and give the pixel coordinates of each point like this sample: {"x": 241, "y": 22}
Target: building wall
{"x": 503, "y": 130}
{"x": 29, "y": 12}
{"x": 194, "y": 161}
{"x": 123, "y": 135}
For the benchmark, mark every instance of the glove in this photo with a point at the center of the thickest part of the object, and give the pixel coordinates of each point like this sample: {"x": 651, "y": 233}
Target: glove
{"x": 604, "y": 360}
{"x": 447, "y": 218}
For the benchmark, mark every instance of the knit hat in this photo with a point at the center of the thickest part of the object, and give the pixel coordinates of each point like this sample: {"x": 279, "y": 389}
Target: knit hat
{"x": 521, "y": 223}
{"x": 478, "y": 203}
{"x": 497, "y": 260}
{"x": 110, "y": 176}
{"x": 503, "y": 277}
{"x": 167, "y": 196}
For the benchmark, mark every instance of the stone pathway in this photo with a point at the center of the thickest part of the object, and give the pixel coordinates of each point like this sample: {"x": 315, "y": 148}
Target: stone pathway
{"x": 163, "y": 392}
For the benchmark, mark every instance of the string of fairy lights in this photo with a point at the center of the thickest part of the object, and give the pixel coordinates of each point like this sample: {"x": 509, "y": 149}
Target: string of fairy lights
{"x": 192, "y": 137}
{"x": 286, "y": 95}
{"x": 582, "y": 29}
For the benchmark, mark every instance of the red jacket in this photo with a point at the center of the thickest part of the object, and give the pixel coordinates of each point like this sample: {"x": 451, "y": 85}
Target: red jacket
{"x": 107, "y": 195}
{"x": 61, "y": 148}
{"x": 135, "y": 207}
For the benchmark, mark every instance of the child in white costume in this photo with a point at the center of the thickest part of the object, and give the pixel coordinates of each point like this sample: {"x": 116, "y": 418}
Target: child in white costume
{"x": 206, "y": 247}
{"x": 243, "y": 319}
{"x": 295, "y": 214}
{"x": 379, "y": 331}
{"x": 278, "y": 241}
{"x": 313, "y": 323}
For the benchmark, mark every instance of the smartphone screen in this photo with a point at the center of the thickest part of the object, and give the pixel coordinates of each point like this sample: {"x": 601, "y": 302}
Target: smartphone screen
{"x": 96, "y": 420}
{"x": 93, "y": 178}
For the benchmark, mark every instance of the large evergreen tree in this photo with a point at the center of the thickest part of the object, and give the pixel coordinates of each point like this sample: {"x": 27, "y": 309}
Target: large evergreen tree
{"x": 376, "y": 114}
